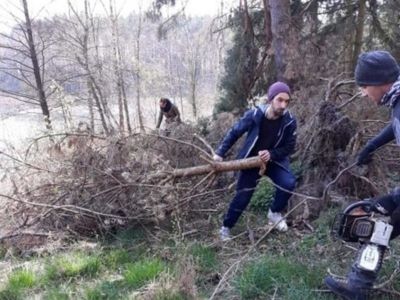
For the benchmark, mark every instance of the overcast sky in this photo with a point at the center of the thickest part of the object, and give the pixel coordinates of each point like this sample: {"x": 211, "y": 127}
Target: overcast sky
{"x": 46, "y": 8}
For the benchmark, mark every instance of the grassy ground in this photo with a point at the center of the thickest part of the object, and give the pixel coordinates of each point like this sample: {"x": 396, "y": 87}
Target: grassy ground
{"x": 162, "y": 264}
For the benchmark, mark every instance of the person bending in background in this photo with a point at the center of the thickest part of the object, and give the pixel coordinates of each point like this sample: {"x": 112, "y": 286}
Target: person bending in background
{"x": 169, "y": 111}
{"x": 271, "y": 134}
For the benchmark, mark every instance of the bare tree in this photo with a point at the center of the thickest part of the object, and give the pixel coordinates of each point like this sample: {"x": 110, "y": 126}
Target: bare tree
{"x": 79, "y": 39}
{"x": 137, "y": 71}
{"x": 359, "y": 32}
{"x": 117, "y": 65}
{"x": 25, "y": 61}
{"x": 65, "y": 104}
{"x": 194, "y": 77}
{"x": 36, "y": 67}
{"x": 193, "y": 65}
{"x": 267, "y": 24}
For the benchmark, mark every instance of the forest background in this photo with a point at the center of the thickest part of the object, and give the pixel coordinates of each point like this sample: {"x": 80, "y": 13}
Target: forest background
{"x": 90, "y": 205}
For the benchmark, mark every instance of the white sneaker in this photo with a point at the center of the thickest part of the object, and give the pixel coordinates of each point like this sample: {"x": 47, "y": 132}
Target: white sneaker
{"x": 225, "y": 233}
{"x": 274, "y": 218}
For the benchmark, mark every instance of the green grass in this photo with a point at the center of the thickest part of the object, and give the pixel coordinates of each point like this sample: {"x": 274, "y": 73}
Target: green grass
{"x": 55, "y": 293}
{"x": 166, "y": 294}
{"x": 7, "y": 294}
{"x": 105, "y": 290}
{"x": 75, "y": 264}
{"x": 139, "y": 273}
{"x": 291, "y": 267}
{"x": 263, "y": 195}
{"x": 389, "y": 266}
{"x": 320, "y": 237}
{"x": 205, "y": 257}
{"x": 283, "y": 276}
{"x": 126, "y": 238}
{"x": 22, "y": 279}
{"x": 116, "y": 258}
{"x": 18, "y": 282}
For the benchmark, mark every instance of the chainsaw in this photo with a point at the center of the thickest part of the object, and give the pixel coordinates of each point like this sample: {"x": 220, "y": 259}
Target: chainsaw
{"x": 361, "y": 222}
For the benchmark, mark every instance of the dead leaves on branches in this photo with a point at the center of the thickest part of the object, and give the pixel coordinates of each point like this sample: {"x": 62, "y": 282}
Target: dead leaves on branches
{"x": 98, "y": 184}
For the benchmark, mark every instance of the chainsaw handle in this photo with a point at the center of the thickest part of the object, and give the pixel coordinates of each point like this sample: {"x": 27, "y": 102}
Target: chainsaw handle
{"x": 364, "y": 204}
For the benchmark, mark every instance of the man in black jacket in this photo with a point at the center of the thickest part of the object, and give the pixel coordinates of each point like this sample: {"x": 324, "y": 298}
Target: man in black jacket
{"x": 377, "y": 74}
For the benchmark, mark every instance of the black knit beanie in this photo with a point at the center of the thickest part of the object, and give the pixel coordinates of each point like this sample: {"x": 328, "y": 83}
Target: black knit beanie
{"x": 376, "y": 68}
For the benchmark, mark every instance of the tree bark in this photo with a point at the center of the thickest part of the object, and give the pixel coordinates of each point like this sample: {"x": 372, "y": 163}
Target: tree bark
{"x": 36, "y": 68}
{"x": 122, "y": 107}
{"x": 279, "y": 27}
{"x": 267, "y": 24}
{"x": 359, "y": 32}
{"x": 383, "y": 34}
{"x": 215, "y": 167}
{"x": 179, "y": 76}
{"x": 90, "y": 81}
{"x": 101, "y": 102}
{"x": 248, "y": 53}
{"x": 313, "y": 12}
{"x": 348, "y": 36}
{"x": 284, "y": 41}
{"x": 193, "y": 76}
{"x": 137, "y": 74}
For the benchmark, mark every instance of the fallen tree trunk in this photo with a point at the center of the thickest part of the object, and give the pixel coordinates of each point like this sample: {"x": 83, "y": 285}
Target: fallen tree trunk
{"x": 214, "y": 167}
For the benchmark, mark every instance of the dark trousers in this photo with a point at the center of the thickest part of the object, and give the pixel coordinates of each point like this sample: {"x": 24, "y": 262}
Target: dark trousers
{"x": 391, "y": 203}
{"x": 246, "y": 184}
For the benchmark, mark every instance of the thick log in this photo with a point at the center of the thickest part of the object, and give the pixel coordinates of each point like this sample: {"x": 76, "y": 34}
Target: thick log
{"x": 215, "y": 167}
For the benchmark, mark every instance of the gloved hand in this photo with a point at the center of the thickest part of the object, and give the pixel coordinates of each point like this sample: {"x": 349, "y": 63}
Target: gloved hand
{"x": 364, "y": 157}
{"x": 216, "y": 157}
{"x": 382, "y": 204}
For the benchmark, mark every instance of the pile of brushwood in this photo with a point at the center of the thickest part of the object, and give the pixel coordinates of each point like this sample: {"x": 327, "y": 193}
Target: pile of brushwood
{"x": 84, "y": 184}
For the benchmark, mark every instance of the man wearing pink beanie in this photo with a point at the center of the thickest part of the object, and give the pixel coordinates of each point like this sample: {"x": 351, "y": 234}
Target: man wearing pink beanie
{"x": 271, "y": 134}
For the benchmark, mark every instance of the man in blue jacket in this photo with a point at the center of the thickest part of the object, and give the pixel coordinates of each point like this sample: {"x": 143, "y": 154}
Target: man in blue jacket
{"x": 271, "y": 134}
{"x": 377, "y": 75}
